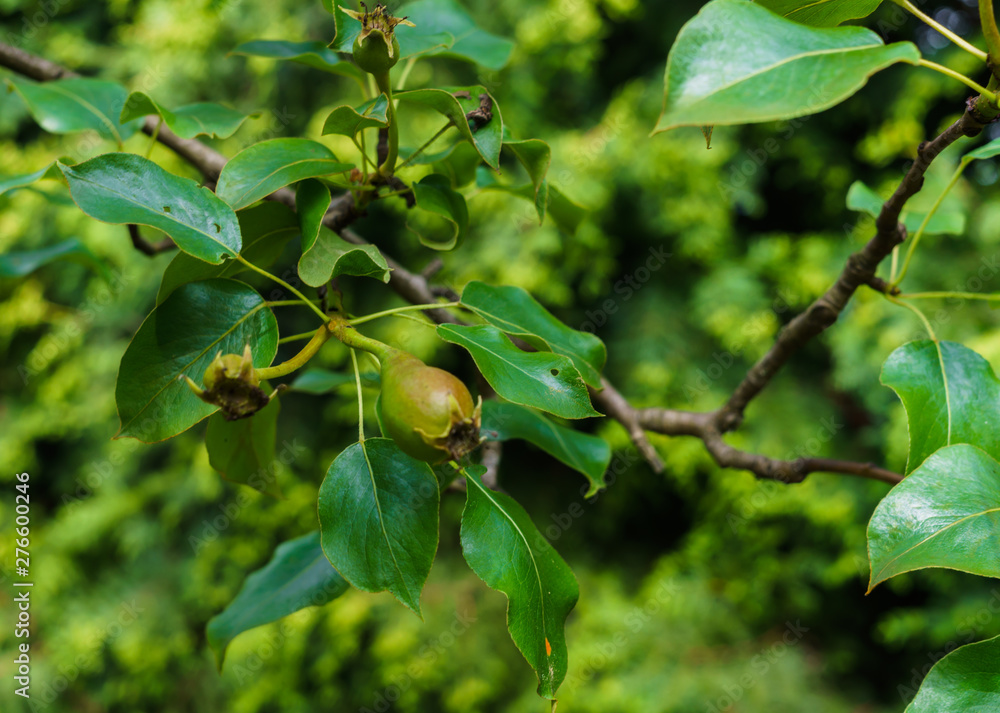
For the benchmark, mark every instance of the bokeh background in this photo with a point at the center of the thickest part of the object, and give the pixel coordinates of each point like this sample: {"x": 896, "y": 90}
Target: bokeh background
{"x": 702, "y": 590}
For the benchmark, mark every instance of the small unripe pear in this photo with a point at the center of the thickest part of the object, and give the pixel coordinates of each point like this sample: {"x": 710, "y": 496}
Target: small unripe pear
{"x": 372, "y": 53}
{"x": 427, "y": 411}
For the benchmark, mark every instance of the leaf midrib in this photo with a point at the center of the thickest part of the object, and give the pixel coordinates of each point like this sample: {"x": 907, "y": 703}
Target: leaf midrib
{"x": 381, "y": 522}
{"x": 89, "y": 107}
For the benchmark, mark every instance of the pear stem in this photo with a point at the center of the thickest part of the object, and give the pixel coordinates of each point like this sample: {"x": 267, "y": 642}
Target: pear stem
{"x": 300, "y": 359}
{"x": 342, "y": 330}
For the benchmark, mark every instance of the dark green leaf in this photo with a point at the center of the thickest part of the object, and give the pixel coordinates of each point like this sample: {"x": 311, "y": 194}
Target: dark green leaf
{"x": 423, "y": 39}
{"x": 541, "y": 380}
{"x": 243, "y": 450}
{"x": 964, "y": 681}
{"x": 10, "y": 183}
{"x": 312, "y": 199}
{"x": 951, "y": 396}
{"x": 487, "y": 139}
{"x": 822, "y": 13}
{"x": 378, "y": 515}
{"x": 582, "y": 452}
{"x": 266, "y": 230}
{"x": 946, "y": 513}
{"x": 505, "y": 549}
{"x": 126, "y": 188}
{"x": 190, "y": 120}
{"x": 793, "y": 70}
{"x": 18, "y": 264}
{"x": 448, "y": 220}
{"x": 311, "y": 54}
{"x": 347, "y": 121}
{"x": 258, "y": 171}
{"x": 863, "y": 199}
{"x": 515, "y": 311}
{"x": 331, "y": 256}
{"x": 66, "y": 106}
{"x": 468, "y": 41}
{"x": 182, "y": 337}
{"x": 298, "y": 576}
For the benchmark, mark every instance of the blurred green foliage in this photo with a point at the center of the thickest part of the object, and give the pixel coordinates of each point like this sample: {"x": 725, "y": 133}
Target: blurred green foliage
{"x": 701, "y": 589}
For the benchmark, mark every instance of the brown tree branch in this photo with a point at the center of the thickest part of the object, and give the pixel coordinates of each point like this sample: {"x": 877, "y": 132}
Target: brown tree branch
{"x": 146, "y": 247}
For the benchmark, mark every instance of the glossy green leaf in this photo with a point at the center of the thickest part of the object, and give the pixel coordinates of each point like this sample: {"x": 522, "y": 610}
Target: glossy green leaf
{"x": 266, "y": 230}
{"x": 516, "y": 312}
{"x": 983, "y": 152}
{"x": 468, "y": 41}
{"x": 487, "y": 139}
{"x": 445, "y": 218}
{"x": 181, "y": 337}
{"x": 243, "y": 450}
{"x": 297, "y": 576}
{"x": 863, "y": 199}
{"x": 258, "y": 171}
{"x": 320, "y": 381}
{"x": 541, "y": 380}
{"x": 582, "y": 452}
{"x": 331, "y": 256}
{"x": 964, "y": 681}
{"x": 312, "y": 199}
{"x": 536, "y": 157}
{"x": 505, "y": 549}
{"x": 951, "y": 396}
{"x": 19, "y": 264}
{"x": 311, "y": 54}
{"x": 946, "y": 513}
{"x": 127, "y": 188}
{"x": 378, "y": 515}
{"x": 347, "y": 121}
{"x": 822, "y": 13}
{"x": 190, "y": 120}
{"x": 736, "y": 62}
{"x": 66, "y": 106}
{"x": 11, "y": 183}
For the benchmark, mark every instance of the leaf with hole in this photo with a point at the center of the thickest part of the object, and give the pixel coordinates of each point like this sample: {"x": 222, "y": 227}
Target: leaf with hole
{"x": 259, "y": 170}
{"x": 443, "y": 219}
{"x": 736, "y": 53}
{"x": 516, "y": 312}
{"x": 242, "y": 451}
{"x": 505, "y": 549}
{"x": 202, "y": 119}
{"x": 950, "y": 394}
{"x": 542, "y": 380}
{"x": 378, "y": 516}
{"x": 125, "y": 188}
{"x": 946, "y": 513}
{"x": 582, "y": 452}
{"x": 181, "y": 336}
{"x": 67, "y": 106}
{"x": 297, "y": 576}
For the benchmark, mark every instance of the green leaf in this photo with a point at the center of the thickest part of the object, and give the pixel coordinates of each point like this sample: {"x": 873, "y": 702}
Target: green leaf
{"x": 822, "y": 13}
{"x": 312, "y": 199}
{"x": 582, "y": 452}
{"x": 413, "y": 41}
{"x": 515, "y": 311}
{"x": 541, "y": 380}
{"x": 347, "y": 121}
{"x": 536, "y": 157}
{"x": 182, "y": 337}
{"x": 297, "y": 576}
{"x": 331, "y": 256}
{"x": 964, "y": 681}
{"x": 19, "y": 264}
{"x": 793, "y": 70}
{"x": 436, "y": 197}
{"x": 320, "y": 381}
{"x": 468, "y": 41}
{"x": 946, "y": 513}
{"x": 864, "y": 200}
{"x": 66, "y": 106}
{"x": 378, "y": 515}
{"x": 243, "y": 450}
{"x": 266, "y": 230}
{"x": 950, "y": 393}
{"x": 126, "y": 188}
{"x": 985, "y": 151}
{"x": 11, "y": 183}
{"x": 487, "y": 139}
{"x": 505, "y": 549}
{"x": 566, "y": 214}
{"x": 258, "y": 171}
{"x": 190, "y": 120}
{"x": 311, "y": 54}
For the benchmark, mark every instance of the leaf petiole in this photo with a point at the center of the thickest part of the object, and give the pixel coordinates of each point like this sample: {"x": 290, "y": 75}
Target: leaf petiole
{"x": 265, "y": 273}
{"x": 399, "y": 310}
